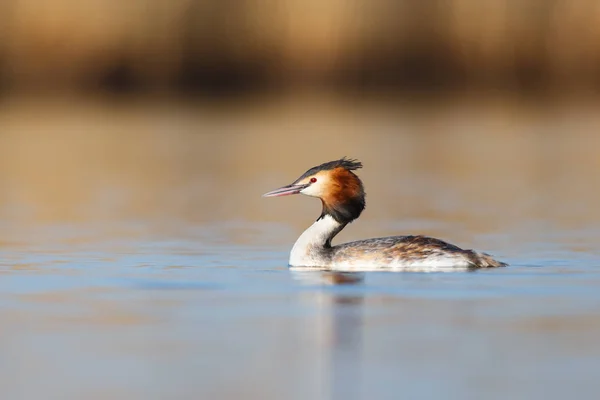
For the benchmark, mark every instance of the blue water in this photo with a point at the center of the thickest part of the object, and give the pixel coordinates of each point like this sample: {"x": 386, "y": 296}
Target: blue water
{"x": 89, "y": 315}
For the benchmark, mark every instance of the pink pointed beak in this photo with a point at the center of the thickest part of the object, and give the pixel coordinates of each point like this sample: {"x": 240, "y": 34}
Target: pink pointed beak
{"x": 285, "y": 191}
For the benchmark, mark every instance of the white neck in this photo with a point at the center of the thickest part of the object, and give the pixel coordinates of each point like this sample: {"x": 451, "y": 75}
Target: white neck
{"x": 308, "y": 249}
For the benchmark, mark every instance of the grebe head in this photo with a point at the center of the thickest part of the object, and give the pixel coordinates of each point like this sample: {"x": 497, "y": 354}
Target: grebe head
{"x": 339, "y": 189}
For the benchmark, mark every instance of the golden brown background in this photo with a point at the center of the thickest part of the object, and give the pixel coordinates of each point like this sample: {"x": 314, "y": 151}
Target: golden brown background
{"x": 217, "y": 46}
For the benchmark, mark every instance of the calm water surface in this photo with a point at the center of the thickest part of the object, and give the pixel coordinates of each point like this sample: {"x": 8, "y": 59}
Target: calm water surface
{"x": 146, "y": 265}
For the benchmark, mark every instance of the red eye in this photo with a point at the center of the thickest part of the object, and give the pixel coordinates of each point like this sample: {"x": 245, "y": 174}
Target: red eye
{"x": 313, "y": 180}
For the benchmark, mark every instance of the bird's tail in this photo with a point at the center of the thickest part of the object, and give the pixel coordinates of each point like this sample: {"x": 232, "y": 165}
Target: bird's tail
{"x": 484, "y": 260}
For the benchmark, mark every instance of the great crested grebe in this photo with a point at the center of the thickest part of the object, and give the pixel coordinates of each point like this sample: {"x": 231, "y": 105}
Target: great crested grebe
{"x": 343, "y": 198}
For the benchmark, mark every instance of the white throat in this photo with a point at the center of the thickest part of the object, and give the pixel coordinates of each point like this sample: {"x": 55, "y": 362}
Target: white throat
{"x": 309, "y": 249}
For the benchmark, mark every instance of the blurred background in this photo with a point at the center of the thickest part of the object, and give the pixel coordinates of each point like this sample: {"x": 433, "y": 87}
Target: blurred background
{"x": 138, "y": 260}
{"x": 144, "y": 96}
{"x": 209, "y": 47}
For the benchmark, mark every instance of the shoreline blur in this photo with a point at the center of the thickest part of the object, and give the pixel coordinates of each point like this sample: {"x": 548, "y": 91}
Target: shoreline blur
{"x": 208, "y": 47}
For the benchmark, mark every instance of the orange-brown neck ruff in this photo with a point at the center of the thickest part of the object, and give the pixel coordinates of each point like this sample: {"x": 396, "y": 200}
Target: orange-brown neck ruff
{"x": 345, "y": 198}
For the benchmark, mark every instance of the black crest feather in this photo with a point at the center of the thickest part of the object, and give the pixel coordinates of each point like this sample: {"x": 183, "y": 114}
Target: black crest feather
{"x": 348, "y": 164}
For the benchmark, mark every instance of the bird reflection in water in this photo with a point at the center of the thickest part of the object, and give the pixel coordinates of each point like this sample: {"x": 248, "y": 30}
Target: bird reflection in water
{"x": 340, "y": 325}
{"x": 325, "y": 276}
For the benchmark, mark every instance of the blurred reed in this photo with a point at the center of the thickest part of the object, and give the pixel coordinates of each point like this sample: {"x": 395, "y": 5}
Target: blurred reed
{"x": 223, "y": 45}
